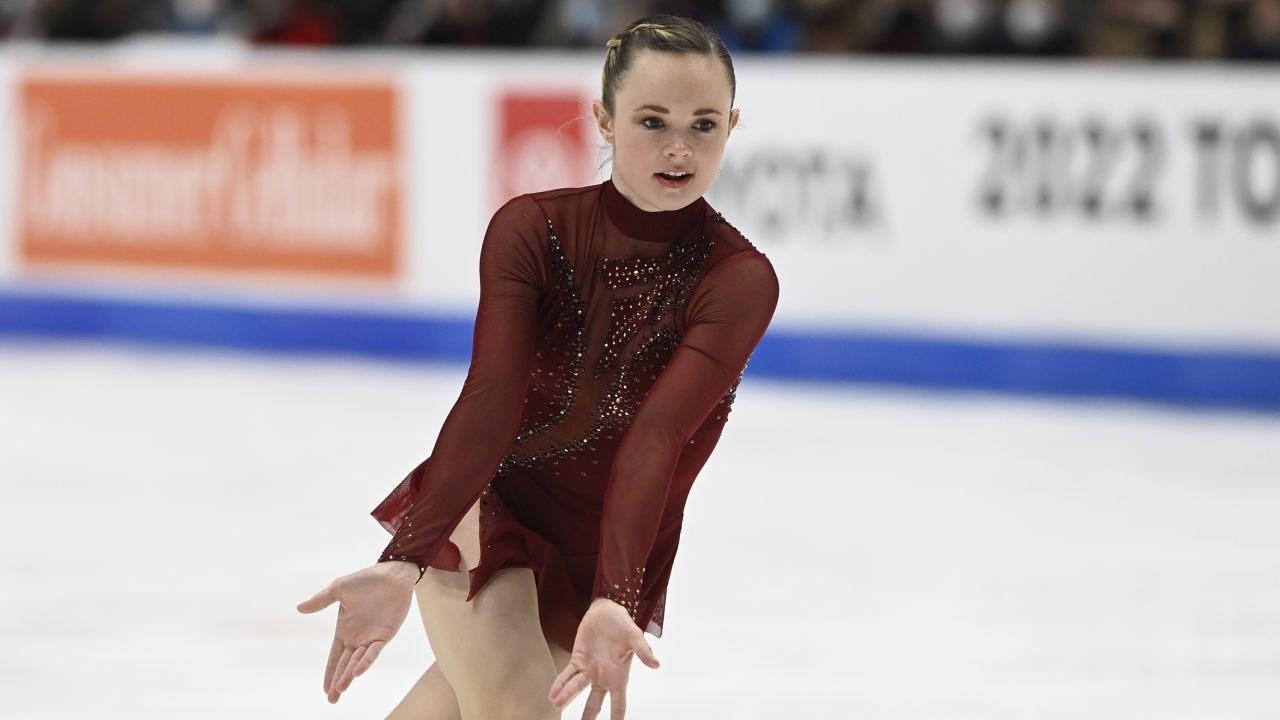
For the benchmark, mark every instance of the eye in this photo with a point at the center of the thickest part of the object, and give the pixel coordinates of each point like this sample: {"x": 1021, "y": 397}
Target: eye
{"x": 651, "y": 127}
{"x": 708, "y": 127}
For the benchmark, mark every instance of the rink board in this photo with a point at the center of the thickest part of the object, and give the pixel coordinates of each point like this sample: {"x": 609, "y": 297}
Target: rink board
{"x": 1065, "y": 230}
{"x": 1191, "y": 378}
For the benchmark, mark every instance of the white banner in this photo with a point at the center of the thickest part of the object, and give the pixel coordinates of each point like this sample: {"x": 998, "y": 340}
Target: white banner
{"x": 1102, "y": 203}
{"x": 1129, "y": 204}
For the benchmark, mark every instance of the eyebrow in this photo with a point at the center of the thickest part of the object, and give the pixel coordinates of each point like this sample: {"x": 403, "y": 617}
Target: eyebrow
{"x": 659, "y": 108}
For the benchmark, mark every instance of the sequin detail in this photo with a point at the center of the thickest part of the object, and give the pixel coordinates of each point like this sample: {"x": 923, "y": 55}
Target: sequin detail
{"x": 648, "y": 328}
{"x": 422, "y": 569}
{"x": 627, "y": 594}
{"x": 673, "y": 277}
{"x": 640, "y": 338}
{"x": 562, "y": 380}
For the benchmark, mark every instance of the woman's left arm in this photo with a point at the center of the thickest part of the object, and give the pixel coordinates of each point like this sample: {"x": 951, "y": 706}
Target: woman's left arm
{"x": 727, "y": 315}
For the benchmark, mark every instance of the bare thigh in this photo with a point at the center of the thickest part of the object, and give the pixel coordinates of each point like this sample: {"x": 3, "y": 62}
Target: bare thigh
{"x": 492, "y": 649}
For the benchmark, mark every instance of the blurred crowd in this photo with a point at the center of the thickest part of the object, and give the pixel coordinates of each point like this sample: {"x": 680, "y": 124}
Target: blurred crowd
{"x": 1229, "y": 29}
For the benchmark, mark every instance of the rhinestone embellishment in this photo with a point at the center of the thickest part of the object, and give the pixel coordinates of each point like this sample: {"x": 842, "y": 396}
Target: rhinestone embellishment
{"x": 627, "y": 594}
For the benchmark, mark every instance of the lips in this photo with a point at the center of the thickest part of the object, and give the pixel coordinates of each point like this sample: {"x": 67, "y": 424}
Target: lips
{"x": 674, "y": 182}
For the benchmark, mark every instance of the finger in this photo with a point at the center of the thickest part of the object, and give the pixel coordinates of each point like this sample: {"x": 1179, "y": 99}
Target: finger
{"x": 594, "y": 703}
{"x": 618, "y": 703}
{"x": 341, "y": 668}
{"x": 335, "y": 652}
{"x": 645, "y": 653}
{"x": 565, "y": 678}
{"x": 319, "y": 601}
{"x": 569, "y": 689}
{"x": 375, "y": 648}
{"x": 348, "y": 675}
{"x": 569, "y": 671}
{"x": 334, "y": 693}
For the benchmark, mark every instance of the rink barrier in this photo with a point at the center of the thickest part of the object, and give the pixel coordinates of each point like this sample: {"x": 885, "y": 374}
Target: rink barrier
{"x": 1187, "y": 377}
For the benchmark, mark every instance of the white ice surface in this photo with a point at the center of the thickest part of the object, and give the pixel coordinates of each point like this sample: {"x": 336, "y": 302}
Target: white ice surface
{"x": 847, "y": 553}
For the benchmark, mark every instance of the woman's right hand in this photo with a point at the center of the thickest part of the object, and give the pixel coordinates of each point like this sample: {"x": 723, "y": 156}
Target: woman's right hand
{"x": 372, "y": 605}
{"x": 607, "y": 640}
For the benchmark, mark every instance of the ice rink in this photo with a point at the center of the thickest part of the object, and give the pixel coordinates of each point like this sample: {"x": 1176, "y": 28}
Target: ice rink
{"x": 849, "y": 552}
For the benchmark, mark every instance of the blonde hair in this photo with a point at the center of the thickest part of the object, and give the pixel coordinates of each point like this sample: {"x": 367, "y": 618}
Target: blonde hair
{"x": 660, "y": 33}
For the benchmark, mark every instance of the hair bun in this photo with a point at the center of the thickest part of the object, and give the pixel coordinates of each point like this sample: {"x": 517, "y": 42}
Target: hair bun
{"x": 621, "y": 37}
{"x": 664, "y": 33}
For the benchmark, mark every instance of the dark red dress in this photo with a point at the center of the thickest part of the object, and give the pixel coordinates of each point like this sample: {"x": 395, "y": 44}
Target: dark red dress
{"x": 609, "y": 342}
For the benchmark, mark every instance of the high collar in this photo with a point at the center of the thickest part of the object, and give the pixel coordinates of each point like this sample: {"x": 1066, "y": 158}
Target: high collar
{"x": 659, "y": 226}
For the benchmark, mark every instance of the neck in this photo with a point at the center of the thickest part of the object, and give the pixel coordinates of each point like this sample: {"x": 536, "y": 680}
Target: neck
{"x": 627, "y": 192}
{"x": 650, "y": 226}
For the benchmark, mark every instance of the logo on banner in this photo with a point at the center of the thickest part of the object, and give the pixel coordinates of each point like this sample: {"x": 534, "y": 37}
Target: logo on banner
{"x": 544, "y": 142}
{"x": 270, "y": 176}
{"x": 801, "y": 194}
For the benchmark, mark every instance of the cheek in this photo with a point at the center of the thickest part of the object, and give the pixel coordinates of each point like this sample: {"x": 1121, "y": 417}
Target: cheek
{"x": 710, "y": 155}
{"x": 635, "y": 150}
{"x": 712, "y": 148}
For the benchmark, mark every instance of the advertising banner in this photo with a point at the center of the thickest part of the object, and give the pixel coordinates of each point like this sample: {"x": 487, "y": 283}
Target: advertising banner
{"x": 1050, "y": 229}
{"x": 126, "y": 169}
{"x": 543, "y": 142}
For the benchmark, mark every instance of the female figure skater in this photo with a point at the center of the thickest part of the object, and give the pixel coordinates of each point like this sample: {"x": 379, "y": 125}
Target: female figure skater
{"x": 613, "y": 327}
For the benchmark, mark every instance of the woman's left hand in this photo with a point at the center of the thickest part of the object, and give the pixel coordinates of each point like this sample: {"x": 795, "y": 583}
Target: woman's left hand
{"x": 372, "y": 605}
{"x": 607, "y": 639}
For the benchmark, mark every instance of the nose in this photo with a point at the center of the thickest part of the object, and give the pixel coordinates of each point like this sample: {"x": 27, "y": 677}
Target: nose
{"x": 679, "y": 147}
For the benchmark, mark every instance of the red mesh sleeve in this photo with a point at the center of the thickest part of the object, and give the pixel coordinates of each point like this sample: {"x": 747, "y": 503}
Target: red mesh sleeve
{"x": 486, "y": 416}
{"x": 727, "y": 315}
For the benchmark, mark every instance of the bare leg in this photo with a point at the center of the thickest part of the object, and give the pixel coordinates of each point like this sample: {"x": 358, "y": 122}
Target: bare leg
{"x": 431, "y": 698}
{"x": 491, "y": 649}
{"x": 492, "y": 659}
{"x": 559, "y": 655}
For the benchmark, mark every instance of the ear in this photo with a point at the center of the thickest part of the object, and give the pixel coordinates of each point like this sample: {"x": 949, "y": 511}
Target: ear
{"x": 734, "y": 115}
{"x": 604, "y": 123}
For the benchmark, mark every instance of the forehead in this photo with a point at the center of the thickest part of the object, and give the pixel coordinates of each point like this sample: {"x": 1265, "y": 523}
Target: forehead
{"x": 674, "y": 80}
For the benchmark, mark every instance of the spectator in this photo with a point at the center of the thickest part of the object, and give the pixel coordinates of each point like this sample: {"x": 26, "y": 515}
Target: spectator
{"x": 1234, "y": 29}
{"x": 513, "y": 22}
{"x": 86, "y": 20}
{"x": 967, "y": 27}
{"x": 1042, "y": 27}
{"x": 1258, "y": 38}
{"x": 457, "y": 22}
{"x": 294, "y": 22}
{"x": 827, "y": 25}
{"x": 894, "y": 26}
{"x": 588, "y": 23}
{"x": 12, "y": 15}
{"x": 364, "y": 22}
{"x": 757, "y": 25}
{"x": 1141, "y": 29}
{"x": 201, "y": 17}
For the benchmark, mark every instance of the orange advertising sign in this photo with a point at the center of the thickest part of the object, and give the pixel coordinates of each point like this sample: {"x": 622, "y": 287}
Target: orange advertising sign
{"x": 295, "y": 177}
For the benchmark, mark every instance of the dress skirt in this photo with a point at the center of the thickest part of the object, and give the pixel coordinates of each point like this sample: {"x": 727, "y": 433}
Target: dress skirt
{"x": 512, "y": 505}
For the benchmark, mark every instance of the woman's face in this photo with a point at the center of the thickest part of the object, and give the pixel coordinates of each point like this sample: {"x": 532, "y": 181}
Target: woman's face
{"x": 672, "y": 114}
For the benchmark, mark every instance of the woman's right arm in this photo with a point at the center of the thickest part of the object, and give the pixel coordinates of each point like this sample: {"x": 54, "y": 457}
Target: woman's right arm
{"x": 484, "y": 420}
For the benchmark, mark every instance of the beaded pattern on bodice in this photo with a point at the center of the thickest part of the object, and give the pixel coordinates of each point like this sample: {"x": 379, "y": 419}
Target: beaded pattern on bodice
{"x": 640, "y": 339}
{"x": 586, "y": 491}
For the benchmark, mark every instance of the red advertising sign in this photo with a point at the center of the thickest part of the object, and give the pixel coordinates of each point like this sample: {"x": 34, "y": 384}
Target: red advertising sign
{"x": 546, "y": 140}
